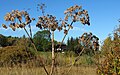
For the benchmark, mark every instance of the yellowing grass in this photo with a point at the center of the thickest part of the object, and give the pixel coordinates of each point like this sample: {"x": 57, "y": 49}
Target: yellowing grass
{"x": 39, "y": 71}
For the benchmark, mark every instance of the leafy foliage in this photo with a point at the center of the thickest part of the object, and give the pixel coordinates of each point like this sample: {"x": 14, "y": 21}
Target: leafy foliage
{"x": 111, "y": 48}
{"x": 14, "y": 55}
{"x": 42, "y": 40}
{"x": 72, "y": 44}
{"x": 3, "y": 40}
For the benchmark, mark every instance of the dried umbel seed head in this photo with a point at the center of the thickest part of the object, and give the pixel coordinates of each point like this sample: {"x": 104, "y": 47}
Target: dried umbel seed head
{"x": 27, "y": 19}
{"x": 65, "y": 31}
{"x": 15, "y": 14}
{"x": 13, "y": 27}
{"x": 47, "y": 22}
{"x": 33, "y": 19}
{"x": 66, "y": 18}
{"x": 70, "y": 26}
{"x": 17, "y": 25}
{"x": 18, "y": 15}
{"x": 4, "y": 26}
{"x": 63, "y": 24}
{"x": 89, "y": 40}
{"x": 76, "y": 13}
{"x": 59, "y": 28}
{"x": 21, "y": 25}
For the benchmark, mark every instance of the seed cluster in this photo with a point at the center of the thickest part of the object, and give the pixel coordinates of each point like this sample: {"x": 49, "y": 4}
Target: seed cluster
{"x": 17, "y": 15}
{"x": 47, "y": 22}
{"x": 89, "y": 40}
{"x": 50, "y": 22}
{"x": 77, "y": 14}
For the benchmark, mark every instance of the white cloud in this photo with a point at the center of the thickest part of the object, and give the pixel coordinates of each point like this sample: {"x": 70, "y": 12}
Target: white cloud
{"x": 82, "y": 29}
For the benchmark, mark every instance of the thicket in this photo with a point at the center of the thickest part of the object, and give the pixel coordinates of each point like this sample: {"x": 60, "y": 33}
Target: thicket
{"x": 17, "y": 54}
{"x": 110, "y": 64}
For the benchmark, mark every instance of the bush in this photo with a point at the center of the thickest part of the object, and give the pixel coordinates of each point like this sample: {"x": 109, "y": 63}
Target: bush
{"x": 14, "y": 55}
{"x": 110, "y": 65}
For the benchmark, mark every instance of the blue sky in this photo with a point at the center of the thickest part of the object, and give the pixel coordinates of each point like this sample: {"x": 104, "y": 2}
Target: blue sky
{"x": 104, "y": 15}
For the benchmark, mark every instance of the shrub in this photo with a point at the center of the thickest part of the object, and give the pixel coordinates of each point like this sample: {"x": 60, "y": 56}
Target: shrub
{"x": 14, "y": 55}
{"x": 110, "y": 65}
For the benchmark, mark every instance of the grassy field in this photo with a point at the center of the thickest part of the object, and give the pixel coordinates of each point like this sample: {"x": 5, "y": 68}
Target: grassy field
{"x": 40, "y": 71}
{"x": 84, "y": 66}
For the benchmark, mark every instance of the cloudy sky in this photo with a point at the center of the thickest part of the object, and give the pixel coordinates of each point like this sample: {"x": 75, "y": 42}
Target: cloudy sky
{"x": 104, "y": 15}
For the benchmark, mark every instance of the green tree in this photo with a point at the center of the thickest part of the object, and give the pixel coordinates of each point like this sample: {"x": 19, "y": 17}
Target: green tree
{"x": 42, "y": 40}
{"x": 3, "y": 40}
{"x": 72, "y": 44}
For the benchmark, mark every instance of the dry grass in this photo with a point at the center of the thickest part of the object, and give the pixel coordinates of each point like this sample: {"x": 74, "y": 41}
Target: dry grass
{"x": 39, "y": 71}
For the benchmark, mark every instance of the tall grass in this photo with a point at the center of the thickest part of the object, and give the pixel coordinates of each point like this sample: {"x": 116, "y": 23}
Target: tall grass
{"x": 83, "y": 67}
{"x": 39, "y": 71}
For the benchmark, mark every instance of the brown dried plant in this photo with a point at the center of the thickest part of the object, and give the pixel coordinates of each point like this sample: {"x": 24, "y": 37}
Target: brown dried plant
{"x": 21, "y": 19}
{"x": 50, "y": 23}
{"x": 110, "y": 65}
{"x": 88, "y": 40}
{"x": 75, "y": 14}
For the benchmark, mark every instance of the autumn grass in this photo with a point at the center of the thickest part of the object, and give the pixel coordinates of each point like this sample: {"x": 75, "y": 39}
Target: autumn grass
{"x": 82, "y": 67}
{"x": 39, "y": 71}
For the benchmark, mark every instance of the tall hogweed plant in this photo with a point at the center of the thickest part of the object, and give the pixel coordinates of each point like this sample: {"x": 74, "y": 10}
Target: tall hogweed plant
{"x": 21, "y": 19}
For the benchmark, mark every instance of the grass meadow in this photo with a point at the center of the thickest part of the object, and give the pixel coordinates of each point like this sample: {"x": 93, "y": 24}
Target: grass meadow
{"x": 83, "y": 67}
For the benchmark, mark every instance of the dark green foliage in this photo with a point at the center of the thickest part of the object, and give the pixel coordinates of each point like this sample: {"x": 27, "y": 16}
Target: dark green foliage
{"x": 8, "y": 41}
{"x": 88, "y": 42}
{"x": 72, "y": 43}
{"x": 17, "y": 53}
{"x": 14, "y": 55}
{"x": 42, "y": 40}
{"x": 3, "y": 40}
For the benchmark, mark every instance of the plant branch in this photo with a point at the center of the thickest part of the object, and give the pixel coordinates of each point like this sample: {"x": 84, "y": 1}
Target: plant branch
{"x": 53, "y": 54}
{"x": 78, "y": 57}
{"x": 64, "y": 37}
{"x": 35, "y": 49}
{"x": 30, "y": 30}
{"x": 65, "y": 34}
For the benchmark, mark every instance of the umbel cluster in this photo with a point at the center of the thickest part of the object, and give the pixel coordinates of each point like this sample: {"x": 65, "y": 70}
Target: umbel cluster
{"x": 19, "y": 19}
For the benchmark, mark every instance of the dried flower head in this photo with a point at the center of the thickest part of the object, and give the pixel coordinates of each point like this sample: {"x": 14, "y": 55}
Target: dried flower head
{"x": 89, "y": 40}
{"x": 65, "y": 31}
{"x": 77, "y": 14}
{"x": 4, "y": 26}
{"x": 17, "y": 15}
{"x": 48, "y": 22}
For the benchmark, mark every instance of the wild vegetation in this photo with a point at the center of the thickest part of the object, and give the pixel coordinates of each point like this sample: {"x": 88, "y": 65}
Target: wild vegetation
{"x": 79, "y": 56}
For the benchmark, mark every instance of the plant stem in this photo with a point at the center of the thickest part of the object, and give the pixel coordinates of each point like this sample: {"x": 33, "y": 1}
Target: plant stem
{"x": 63, "y": 41}
{"x": 78, "y": 57}
{"x": 53, "y": 54}
{"x": 35, "y": 48}
{"x": 31, "y": 39}
{"x": 30, "y": 30}
{"x": 66, "y": 34}
{"x": 64, "y": 38}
